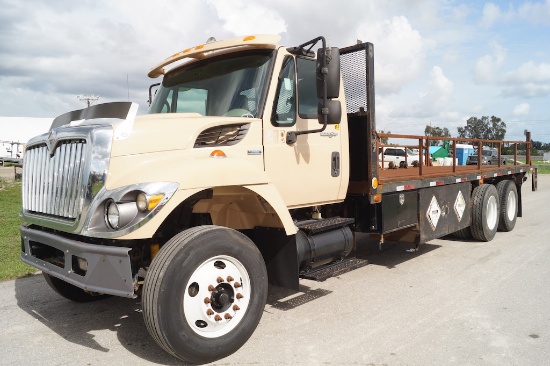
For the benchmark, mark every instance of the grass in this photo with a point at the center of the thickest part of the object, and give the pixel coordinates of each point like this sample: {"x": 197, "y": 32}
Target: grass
{"x": 10, "y": 241}
{"x": 543, "y": 169}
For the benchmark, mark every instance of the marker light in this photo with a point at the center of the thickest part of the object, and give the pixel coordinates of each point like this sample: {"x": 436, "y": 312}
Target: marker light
{"x": 154, "y": 201}
{"x": 374, "y": 183}
{"x": 249, "y": 38}
{"x": 217, "y": 154}
{"x": 147, "y": 203}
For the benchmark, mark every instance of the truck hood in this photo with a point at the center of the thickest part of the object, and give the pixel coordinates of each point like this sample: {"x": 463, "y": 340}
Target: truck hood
{"x": 168, "y": 132}
{"x": 149, "y": 133}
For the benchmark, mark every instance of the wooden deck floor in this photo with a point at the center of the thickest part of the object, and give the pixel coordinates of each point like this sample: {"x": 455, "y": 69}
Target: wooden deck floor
{"x": 395, "y": 175}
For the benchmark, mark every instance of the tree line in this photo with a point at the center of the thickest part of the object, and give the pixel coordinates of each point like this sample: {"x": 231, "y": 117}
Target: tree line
{"x": 484, "y": 128}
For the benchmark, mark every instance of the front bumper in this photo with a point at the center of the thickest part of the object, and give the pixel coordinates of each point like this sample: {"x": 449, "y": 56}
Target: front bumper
{"x": 108, "y": 269}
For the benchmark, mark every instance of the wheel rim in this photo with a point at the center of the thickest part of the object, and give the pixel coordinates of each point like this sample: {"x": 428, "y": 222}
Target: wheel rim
{"x": 217, "y": 296}
{"x": 492, "y": 212}
{"x": 511, "y": 206}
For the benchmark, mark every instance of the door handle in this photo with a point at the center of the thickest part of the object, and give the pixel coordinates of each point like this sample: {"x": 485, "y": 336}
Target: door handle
{"x": 335, "y": 164}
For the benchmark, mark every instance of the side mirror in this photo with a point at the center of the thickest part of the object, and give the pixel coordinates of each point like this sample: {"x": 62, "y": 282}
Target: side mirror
{"x": 331, "y": 71}
{"x": 333, "y": 112}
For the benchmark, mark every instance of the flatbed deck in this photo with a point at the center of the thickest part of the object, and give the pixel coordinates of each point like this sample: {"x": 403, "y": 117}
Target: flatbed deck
{"x": 394, "y": 180}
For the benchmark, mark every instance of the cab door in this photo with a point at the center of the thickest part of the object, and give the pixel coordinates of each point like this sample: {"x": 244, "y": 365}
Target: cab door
{"x": 310, "y": 171}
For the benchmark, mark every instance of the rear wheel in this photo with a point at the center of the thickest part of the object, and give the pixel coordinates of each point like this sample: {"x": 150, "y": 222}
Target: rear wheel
{"x": 71, "y": 292}
{"x": 204, "y": 293}
{"x": 508, "y": 199}
{"x": 485, "y": 212}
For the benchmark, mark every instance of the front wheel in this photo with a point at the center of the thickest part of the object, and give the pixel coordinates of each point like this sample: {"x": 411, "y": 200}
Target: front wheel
{"x": 204, "y": 293}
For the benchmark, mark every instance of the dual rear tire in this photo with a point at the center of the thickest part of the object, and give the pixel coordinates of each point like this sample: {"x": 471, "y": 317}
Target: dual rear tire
{"x": 494, "y": 208}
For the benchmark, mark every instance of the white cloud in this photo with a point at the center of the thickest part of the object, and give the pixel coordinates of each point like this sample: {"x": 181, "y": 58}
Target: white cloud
{"x": 434, "y": 101}
{"x": 51, "y": 51}
{"x": 521, "y": 109}
{"x": 400, "y": 55}
{"x": 535, "y": 12}
{"x": 244, "y": 17}
{"x": 492, "y": 14}
{"x": 528, "y": 81}
{"x": 487, "y": 67}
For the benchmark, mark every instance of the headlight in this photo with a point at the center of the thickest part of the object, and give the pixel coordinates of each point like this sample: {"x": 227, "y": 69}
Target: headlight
{"x": 112, "y": 215}
{"x": 118, "y": 215}
{"x": 119, "y": 211}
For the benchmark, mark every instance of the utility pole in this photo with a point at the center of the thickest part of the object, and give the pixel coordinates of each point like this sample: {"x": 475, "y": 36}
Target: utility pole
{"x": 88, "y": 99}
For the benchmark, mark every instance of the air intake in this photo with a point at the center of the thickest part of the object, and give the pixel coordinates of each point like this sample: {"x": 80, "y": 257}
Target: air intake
{"x": 224, "y": 135}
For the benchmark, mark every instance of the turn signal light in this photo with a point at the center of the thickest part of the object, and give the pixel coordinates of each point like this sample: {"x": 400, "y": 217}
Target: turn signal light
{"x": 217, "y": 154}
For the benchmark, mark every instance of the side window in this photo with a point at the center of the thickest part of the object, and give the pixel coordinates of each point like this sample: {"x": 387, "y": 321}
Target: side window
{"x": 399, "y": 152}
{"x": 307, "y": 88}
{"x": 284, "y": 110}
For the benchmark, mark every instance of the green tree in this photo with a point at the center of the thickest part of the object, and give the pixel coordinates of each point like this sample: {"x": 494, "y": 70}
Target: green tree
{"x": 436, "y": 132}
{"x": 384, "y": 140}
{"x": 486, "y": 128}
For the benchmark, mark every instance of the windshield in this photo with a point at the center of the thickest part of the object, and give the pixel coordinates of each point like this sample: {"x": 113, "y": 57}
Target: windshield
{"x": 229, "y": 85}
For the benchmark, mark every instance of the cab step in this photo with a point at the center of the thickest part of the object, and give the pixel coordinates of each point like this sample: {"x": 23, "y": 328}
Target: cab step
{"x": 315, "y": 226}
{"x": 334, "y": 269}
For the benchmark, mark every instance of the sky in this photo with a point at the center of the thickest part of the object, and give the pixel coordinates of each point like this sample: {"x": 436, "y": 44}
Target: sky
{"x": 437, "y": 62}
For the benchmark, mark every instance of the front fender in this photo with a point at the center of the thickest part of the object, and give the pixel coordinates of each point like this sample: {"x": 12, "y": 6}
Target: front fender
{"x": 189, "y": 170}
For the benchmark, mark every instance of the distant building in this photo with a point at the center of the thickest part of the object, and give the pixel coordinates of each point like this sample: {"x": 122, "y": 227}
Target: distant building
{"x": 22, "y": 129}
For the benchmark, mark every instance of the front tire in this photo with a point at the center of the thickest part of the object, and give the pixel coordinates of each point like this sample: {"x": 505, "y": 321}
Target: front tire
{"x": 485, "y": 212}
{"x": 204, "y": 293}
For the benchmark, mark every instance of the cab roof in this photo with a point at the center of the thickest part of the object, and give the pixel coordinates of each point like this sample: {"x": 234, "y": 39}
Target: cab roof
{"x": 204, "y": 50}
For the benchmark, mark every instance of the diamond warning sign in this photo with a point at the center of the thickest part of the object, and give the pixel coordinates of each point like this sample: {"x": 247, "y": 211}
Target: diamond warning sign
{"x": 433, "y": 214}
{"x": 460, "y": 205}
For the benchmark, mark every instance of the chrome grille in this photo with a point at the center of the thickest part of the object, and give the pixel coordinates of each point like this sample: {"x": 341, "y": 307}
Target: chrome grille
{"x": 224, "y": 135}
{"x": 53, "y": 185}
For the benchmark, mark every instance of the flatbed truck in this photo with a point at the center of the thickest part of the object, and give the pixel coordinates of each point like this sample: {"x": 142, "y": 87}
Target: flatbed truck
{"x": 256, "y": 164}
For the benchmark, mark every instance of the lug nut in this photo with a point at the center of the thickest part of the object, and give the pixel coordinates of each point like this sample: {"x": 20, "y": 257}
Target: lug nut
{"x": 211, "y": 288}
{"x": 217, "y": 317}
{"x": 239, "y": 296}
{"x": 209, "y": 312}
{"x": 236, "y": 307}
{"x": 207, "y": 300}
{"x": 227, "y": 316}
{"x": 219, "y": 279}
{"x": 237, "y": 285}
{"x": 230, "y": 279}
